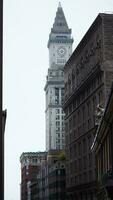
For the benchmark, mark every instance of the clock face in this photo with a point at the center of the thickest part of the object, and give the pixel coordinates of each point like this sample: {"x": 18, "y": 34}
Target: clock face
{"x": 61, "y": 51}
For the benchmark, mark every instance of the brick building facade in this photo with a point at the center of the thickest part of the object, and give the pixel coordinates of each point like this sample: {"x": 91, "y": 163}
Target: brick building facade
{"x": 30, "y": 166}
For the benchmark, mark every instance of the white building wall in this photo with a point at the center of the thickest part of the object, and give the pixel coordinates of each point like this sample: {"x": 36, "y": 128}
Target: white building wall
{"x": 54, "y": 135}
{"x": 60, "y": 49}
{"x": 53, "y": 53}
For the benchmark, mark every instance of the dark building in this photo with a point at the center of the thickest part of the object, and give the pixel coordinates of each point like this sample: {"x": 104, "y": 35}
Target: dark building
{"x": 56, "y": 176}
{"x": 34, "y": 191}
{"x": 30, "y": 166}
{"x": 3, "y": 121}
{"x": 103, "y": 147}
{"x": 4, "y": 115}
{"x": 88, "y": 75}
{"x": 53, "y": 177}
{"x": 1, "y": 101}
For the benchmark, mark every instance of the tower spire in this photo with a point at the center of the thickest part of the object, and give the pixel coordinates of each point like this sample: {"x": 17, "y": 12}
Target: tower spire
{"x": 60, "y": 24}
{"x": 59, "y": 5}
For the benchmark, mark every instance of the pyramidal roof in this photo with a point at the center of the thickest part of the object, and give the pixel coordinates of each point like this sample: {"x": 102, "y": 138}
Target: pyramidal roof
{"x": 60, "y": 24}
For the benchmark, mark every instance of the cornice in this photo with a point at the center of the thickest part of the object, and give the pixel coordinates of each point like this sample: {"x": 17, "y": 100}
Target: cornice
{"x": 53, "y": 83}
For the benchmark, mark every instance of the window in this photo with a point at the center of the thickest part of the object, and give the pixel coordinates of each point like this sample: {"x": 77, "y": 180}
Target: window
{"x": 62, "y": 100}
{"x": 78, "y": 101}
{"x": 61, "y": 61}
{"x": 62, "y": 111}
{"x": 79, "y": 148}
{"x": 89, "y": 123}
{"x": 63, "y": 128}
{"x": 84, "y": 126}
{"x": 57, "y": 146}
{"x": 89, "y": 142}
{"x": 80, "y": 164}
{"x": 79, "y": 130}
{"x": 75, "y": 150}
{"x": 62, "y": 117}
{"x": 57, "y": 128}
{"x": 62, "y": 123}
{"x": 85, "y": 161}
{"x": 56, "y": 96}
{"x": 100, "y": 97}
{"x": 66, "y": 127}
{"x": 74, "y": 133}
{"x": 27, "y": 166}
{"x": 50, "y": 73}
{"x": 58, "y": 134}
{"x": 62, "y": 91}
{"x": 83, "y": 112}
{"x": 99, "y": 79}
{"x": 84, "y": 146}
{"x": 74, "y": 104}
{"x": 70, "y": 108}
{"x": 90, "y": 175}
{"x": 70, "y": 124}
{"x": 57, "y": 141}
{"x": 94, "y": 103}
{"x": 93, "y": 84}
{"x": 57, "y": 111}
{"x": 62, "y": 74}
{"x": 57, "y": 117}
{"x": 88, "y": 108}
{"x": 63, "y": 141}
{"x": 74, "y": 120}
{"x": 79, "y": 117}
{"x": 63, "y": 134}
{"x": 90, "y": 159}
{"x": 88, "y": 91}
{"x": 85, "y": 176}
{"x": 57, "y": 123}
{"x": 27, "y": 172}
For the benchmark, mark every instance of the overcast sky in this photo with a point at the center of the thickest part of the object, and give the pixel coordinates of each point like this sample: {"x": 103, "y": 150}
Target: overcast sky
{"x": 27, "y": 25}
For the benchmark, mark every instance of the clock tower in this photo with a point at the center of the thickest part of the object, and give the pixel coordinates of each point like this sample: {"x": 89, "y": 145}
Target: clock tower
{"x": 60, "y": 49}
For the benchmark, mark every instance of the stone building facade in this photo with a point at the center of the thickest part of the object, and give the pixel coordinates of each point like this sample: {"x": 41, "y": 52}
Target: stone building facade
{"x": 60, "y": 49}
{"x": 103, "y": 148}
{"x": 88, "y": 75}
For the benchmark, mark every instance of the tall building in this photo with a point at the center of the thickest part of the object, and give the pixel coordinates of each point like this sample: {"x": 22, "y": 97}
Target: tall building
{"x": 88, "y": 75}
{"x": 60, "y": 49}
{"x": 30, "y": 166}
{"x": 103, "y": 148}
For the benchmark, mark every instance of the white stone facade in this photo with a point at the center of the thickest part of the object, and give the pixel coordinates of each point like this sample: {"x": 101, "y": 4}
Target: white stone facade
{"x": 60, "y": 49}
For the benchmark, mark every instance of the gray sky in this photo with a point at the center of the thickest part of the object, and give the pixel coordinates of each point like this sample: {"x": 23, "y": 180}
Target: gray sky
{"x": 27, "y": 25}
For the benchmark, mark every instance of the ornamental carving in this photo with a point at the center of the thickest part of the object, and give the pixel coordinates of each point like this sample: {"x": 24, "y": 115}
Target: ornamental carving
{"x": 85, "y": 62}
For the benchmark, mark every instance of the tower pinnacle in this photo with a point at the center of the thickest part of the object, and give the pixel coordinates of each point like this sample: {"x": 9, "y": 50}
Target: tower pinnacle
{"x": 59, "y": 5}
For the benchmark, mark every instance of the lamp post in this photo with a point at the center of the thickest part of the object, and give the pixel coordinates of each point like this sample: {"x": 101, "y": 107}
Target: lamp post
{"x": 1, "y": 132}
